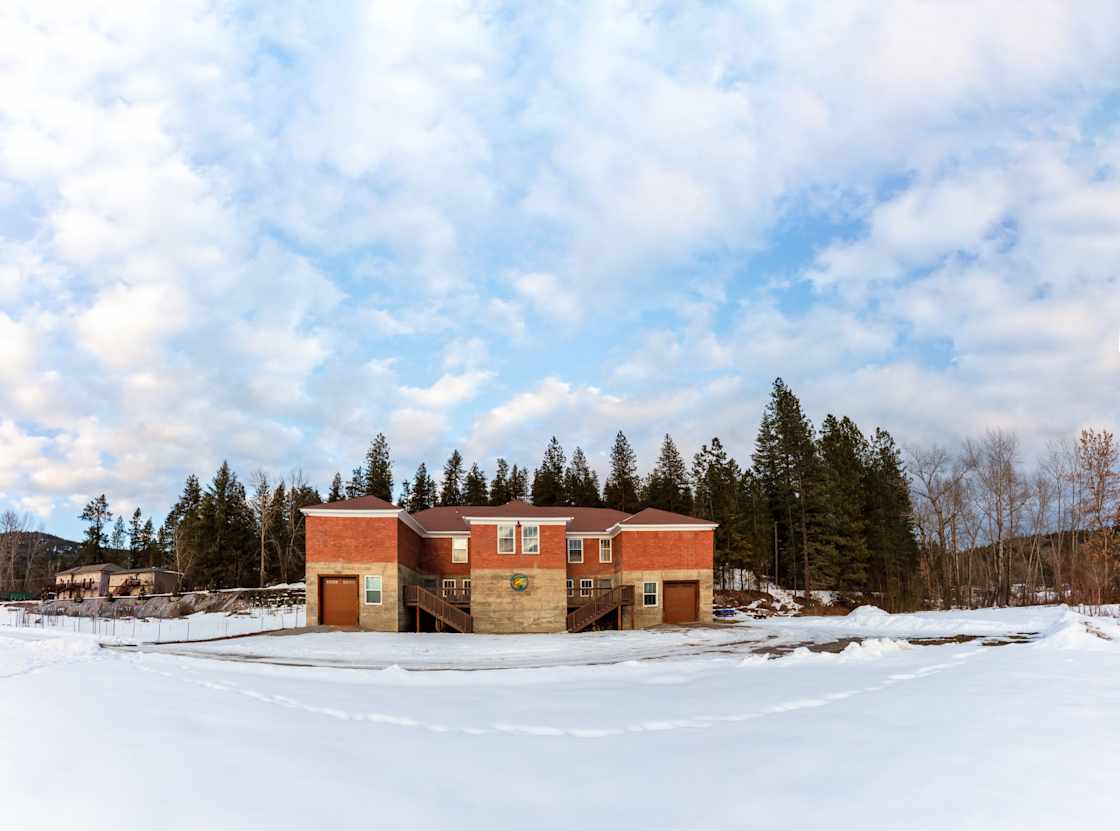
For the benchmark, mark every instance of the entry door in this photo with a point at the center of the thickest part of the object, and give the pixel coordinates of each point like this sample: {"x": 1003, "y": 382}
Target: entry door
{"x": 682, "y": 601}
{"x": 338, "y": 601}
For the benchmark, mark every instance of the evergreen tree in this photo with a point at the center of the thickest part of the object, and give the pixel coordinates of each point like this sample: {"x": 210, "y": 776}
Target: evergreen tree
{"x": 228, "y": 534}
{"x": 475, "y": 491}
{"x": 621, "y": 490}
{"x": 423, "y": 494}
{"x": 893, "y": 557}
{"x": 451, "y": 491}
{"x": 406, "y": 495}
{"x": 667, "y": 486}
{"x": 842, "y": 563}
{"x": 335, "y": 494}
{"x": 149, "y": 543}
{"x": 518, "y": 484}
{"x": 135, "y": 538}
{"x": 548, "y": 479}
{"x": 581, "y": 483}
{"x": 119, "y": 538}
{"x": 500, "y": 492}
{"x": 786, "y": 466}
{"x": 379, "y": 469}
{"x": 182, "y": 532}
{"x": 357, "y": 485}
{"x": 98, "y": 515}
{"x": 717, "y": 481}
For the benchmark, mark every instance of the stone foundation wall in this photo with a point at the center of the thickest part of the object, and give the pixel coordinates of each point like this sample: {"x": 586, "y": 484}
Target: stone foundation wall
{"x": 386, "y": 617}
{"x": 496, "y": 607}
{"x": 652, "y": 615}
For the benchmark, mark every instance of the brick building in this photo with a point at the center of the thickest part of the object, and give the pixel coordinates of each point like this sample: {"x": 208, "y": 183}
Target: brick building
{"x": 510, "y": 568}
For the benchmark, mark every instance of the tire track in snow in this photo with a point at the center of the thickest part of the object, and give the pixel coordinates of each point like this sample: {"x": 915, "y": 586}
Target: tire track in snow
{"x": 547, "y": 731}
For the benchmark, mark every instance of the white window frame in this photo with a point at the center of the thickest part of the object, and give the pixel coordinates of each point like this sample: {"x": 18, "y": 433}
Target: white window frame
{"x": 459, "y": 553}
{"x": 586, "y": 584}
{"x": 466, "y": 584}
{"x": 656, "y": 594}
{"x": 536, "y": 542}
{"x": 579, "y": 544}
{"x": 512, "y": 529}
{"x": 609, "y": 549}
{"x": 571, "y": 587}
{"x": 366, "y": 590}
{"x": 447, "y": 583}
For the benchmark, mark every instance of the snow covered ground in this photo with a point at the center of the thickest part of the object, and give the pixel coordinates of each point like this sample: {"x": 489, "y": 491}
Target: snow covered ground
{"x": 199, "y": 626}
{"x": 714, "y": 734}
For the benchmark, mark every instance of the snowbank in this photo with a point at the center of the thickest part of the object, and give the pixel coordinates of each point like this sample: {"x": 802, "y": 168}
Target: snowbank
{"x": 132, "y": 630}
{"x": 980, "y": 622}
{"x": 1079, "y": 632}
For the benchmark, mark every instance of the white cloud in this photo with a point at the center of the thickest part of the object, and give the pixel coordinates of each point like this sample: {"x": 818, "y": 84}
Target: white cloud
{"x": 548, "y": 297}
{"x": 447, "y": 391}
{"x": 235, "y": 234}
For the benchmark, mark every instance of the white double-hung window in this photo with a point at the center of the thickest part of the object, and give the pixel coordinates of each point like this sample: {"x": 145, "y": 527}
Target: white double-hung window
{"x": 530, "y": 539}
{"x": 604, "y": 551}
{"x": 458, "y": 549}
{"x": 373, "y": 589}
{"x": 575, "y": 551}
{"x": 585, "y": 586}
{"x": 507, "y": 542}
{"x": 649, "y": 594}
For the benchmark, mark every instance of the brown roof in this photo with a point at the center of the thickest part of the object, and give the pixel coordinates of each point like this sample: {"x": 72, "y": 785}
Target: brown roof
{"x": 145, "y": 569}
{"x": 656, "y": 516}
{"x": 446, "y": 518}
{"x": 359, "y": 503}
{"x": 91, "y": 568}
{"x": 450, "y": 517}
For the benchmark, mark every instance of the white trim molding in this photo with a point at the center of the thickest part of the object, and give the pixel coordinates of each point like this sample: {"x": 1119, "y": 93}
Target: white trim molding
{"x": 511, "y": 520}
{"x": 376, "y": 513}
{"x": 694, "y": 526}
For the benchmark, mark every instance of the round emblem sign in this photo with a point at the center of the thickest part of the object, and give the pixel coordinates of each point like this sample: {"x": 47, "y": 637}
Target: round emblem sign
{"x": 519, "y": 582}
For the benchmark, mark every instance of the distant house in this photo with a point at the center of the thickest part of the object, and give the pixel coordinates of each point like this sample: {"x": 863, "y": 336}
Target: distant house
{"x": 84, "y": 581}
{"x": 510, "y": 568}
{"x": 136, "y": 581}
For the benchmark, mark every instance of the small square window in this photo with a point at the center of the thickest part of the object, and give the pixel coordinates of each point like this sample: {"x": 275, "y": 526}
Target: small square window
{"x": 604, "y": 551}
{"x": 575, "y": 551}
{"x": 373, "y": 589}
{"x": 585, "y": 586}
{"x": 506, "y": 539}
{"x": 449, "y": 584}
{"x": 530, "y": 539}
{"x": 649, "y": 594}
{"x": 458, "y": 549}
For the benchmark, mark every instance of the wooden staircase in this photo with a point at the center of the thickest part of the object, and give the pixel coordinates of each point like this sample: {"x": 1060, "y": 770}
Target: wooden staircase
{"x": 602, "y": 604}
{"x": 447, "y": 613}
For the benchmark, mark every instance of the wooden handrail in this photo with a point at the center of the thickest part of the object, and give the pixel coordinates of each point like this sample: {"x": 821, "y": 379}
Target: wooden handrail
{"x": 435, "y": 605}
{"x": 590, "y": 612}
{"x": 579, "y": 597}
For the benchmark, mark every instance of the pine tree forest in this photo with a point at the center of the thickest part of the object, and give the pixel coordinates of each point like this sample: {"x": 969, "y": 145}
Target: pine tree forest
{"x": 828, "y": 508}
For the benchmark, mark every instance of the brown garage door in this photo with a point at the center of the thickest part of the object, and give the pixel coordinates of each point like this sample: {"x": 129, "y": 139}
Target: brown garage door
{"x": 338, "y": 601}
{"x": 682, "y": 601}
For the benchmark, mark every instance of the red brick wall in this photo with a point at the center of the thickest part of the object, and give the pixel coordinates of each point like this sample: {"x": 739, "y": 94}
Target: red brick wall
{"x": 351, "y": 539}
{"x": 484, "y": 549}
{"x": 410, "y": 546}
{"x": 437, "y": 559}
{"x": 591, "y": 567}
{"x": 655, "y": 550}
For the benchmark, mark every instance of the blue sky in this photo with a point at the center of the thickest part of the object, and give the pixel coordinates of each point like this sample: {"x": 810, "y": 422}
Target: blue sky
{"x": 239, "y": 231}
